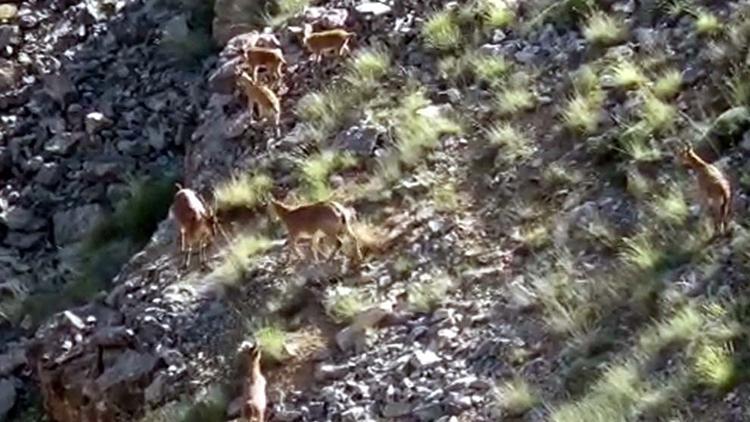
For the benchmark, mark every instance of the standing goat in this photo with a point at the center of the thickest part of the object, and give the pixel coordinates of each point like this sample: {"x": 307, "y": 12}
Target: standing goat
{"x": 268, "y": 103}
{"x": 714, "y": 187}
{"x": 253, "y": 386}
{"x": 318, "y": 43}
{"x": 329, "y": 217}
{"x": 196, "y": 220}
{"x": 271, "y": 59}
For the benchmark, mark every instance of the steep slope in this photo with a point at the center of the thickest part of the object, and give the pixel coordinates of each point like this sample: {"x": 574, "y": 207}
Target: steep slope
{"x": 538, "y": 254}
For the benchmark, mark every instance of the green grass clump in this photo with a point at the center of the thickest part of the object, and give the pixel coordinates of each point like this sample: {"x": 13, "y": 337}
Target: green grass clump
{"x": 515, "y": 145}
{"x": 582, "y": 113}
{"x": 707, "y": 24}
{"x": 671, "y": 207}
{"x": 427, "y": 296}
{"x": 585, "y": 80}
{"x": 245, "y": 191}
{"x": 514, "y": 99}
{"x": 635, "y": 142}
{"x": 490, "y": 69}
{"x": 284, "y": 10}
{"x": 714, "y": 366}
{"x": 272, "y": 341}
{"x": 668, "y": 84}
{"x": 369, "y": 65}
{"x": 325, "y": 111}
{"x": 239, "y": 257}
{"x": 628, "y": 75}
{"x": 603, "y": 29}
{"x": 342, "y": 304}
{"x": 497, "y": 14}
{"x": 316, "y": 170}
{"x": 642, "y": 253}
{"x": 659, "y": 116}
{"x": 516, "y": 397}
{"x": 441, "y": 31}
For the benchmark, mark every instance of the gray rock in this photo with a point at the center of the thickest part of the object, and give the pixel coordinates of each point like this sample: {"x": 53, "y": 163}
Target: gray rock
{"x": 48, "y": 175}
{"x": 23, "y": 219}
{"x": 7, "y": 397}
{"x": 397, "y": 409}
{"x": 12, "y": 360}
{"x": 327, "y": 18}
{"x": 331, "y": 372}
{"x": 9, "y": 36}
{"x": 130, "y": 367}
{"x": 429, "y": 412}
{"x": 61, "y": 144}
{"x": 72, "y": 225}
{"x": 424, "y": 358}
{"x": 96, "y": 121}
{"x": 9, "y": 74}
{"x": 372, "y": 8}
{"x": 23, "y": 241}
{"x": 222, "y": 80}
{"x": 358, "y": 140}
{"x": 59, "y": 87}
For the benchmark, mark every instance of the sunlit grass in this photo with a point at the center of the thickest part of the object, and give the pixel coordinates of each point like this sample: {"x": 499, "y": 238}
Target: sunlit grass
{"x": 239, "y": 257}
{"x": 668, "y": 84}
{"x": 316, "y": 170}
{"x": 342, "y": 304}
{"x": 441, "y": 31}
{"x": 658, "y": 115}
{"x": 369, "y": 65}
{"x": 514, "y": 143}
{"x": 246, "y": 190}
{"x": 497, "y": 14}
{"x": 641, "y": 253}
{"x": 426, "y": 296}
{"x": 628, "y": 75}
{"x": 272, "y": 341}
{"x": 516, "y": 397}
{"x": 515, "y": 99}
{"x": 708, "y": 24}
{"x": 582, "y": 113}
{"x": 603, "y": 29}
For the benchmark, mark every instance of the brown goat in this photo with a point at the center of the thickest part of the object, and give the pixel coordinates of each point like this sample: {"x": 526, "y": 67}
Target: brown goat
{"x": 254, "y": 386}
{"x": 318, "y": 43}
{"x": 714, "y": 187}
{"x": 196, "y": 220}
{"x": 268, "y": 103}
{"x": 271, "y": 59}
{"x": 328, "y": 217}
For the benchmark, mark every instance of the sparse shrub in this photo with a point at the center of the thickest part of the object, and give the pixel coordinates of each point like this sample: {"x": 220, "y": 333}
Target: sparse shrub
{"x": 535, "y": 236}
{"x": 706, "y": 23}
{"x": 557, "y": 176}
{"x": 239, "y": 257}
{"x": 514, "y": 99}
{"x": 739, "y": 86}
{"x": 247, "y": 190}
{"x": 582, "y": 113}
{"x": 323, "y": 112}
{"x": 272, "y": 341}
{"x": 342, "y": 304}
{"x": 514, "y": 398}
{"x": 426, "y": 296}
{"x": 497, "y": 14}
{"x": 209, "y": 407}
{"x": 514, "y": 143}
{"x": 627, "y": 75}
{"x": 441, "y": 31}
{"x": 603, "y": 29}
{"x": 668, "y": 84}
{"x": 317, "y": 168}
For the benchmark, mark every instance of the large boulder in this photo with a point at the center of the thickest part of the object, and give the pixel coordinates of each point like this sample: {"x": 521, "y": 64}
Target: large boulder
{"x": 72, "y": 225}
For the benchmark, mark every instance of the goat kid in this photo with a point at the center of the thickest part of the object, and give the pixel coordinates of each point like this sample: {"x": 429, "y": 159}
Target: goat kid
{"x": 271, "y": 59}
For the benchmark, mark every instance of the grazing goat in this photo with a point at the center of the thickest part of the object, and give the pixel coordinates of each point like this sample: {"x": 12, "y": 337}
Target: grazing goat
{"x": 714, "y": 187}
{"x": 196, "y": 220}
{"x": 268, "y": 103}
{"x": 254, "y": 386}
{"x": 329, "y": 217}
{"x": 271, "y": 59}
{"x": 318, "y": 43}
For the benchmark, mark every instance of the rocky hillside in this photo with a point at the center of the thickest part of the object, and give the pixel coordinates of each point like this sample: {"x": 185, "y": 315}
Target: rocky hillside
{"x": 534, "y": 250}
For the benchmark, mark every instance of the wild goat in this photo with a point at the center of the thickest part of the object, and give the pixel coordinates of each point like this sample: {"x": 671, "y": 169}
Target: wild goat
{"x": 271, "y": 59}
{"x": 321, "y": 42}
{"x": 714, "y": 187}
{"x": 329, "y": 217}
{"x": 254, "y": 386}
{"x": 196, "y": 220}
{"x": 268, "y": 103}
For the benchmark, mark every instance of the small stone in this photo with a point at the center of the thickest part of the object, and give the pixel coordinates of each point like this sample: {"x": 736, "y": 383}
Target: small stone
{"x": 372, "y": 8}
{"x": 7, "y": 397}
{"x": 396, "y": 410}
{"x": 96, "y": 121}
{"x": 423, "y": 359}
{"x": 330, "y": 372}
